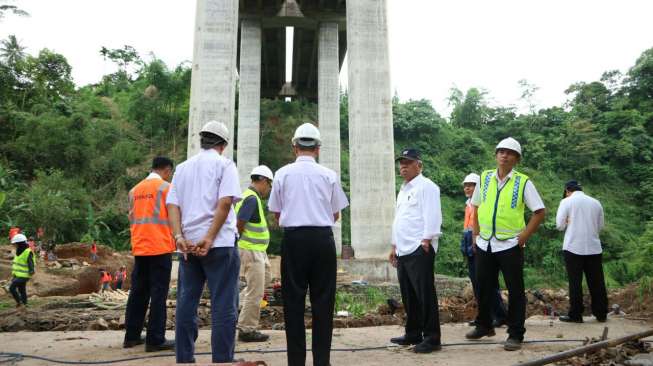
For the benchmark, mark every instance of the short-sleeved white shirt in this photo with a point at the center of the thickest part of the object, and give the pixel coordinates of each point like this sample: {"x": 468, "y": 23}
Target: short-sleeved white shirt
{"x": 581, "y": 216}
{"x": 197, "y": 186}
{"x": 306, "y": 193}
{"x": 532, "y": 200}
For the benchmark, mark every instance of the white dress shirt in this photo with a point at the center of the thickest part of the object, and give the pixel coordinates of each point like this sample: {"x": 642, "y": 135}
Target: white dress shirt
{"x": 197, "y": 186}
{"x": 418, "y": 215}
{"x": 582, "y": 217}
{"x": 532, "y": 200}
{"x": 306, "y": 193}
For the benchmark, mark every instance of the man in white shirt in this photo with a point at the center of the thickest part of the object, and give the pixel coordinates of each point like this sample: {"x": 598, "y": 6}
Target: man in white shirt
{"x": 581, "y": 217}
{"x": 307, "y": 199}
{"x": 415, "y": 233}
{"x": 500, "y": 236}
{"x": 200, "y": 207}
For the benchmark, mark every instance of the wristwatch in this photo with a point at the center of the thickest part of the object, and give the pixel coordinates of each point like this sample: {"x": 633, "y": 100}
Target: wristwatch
{"x": 178, "y": 236}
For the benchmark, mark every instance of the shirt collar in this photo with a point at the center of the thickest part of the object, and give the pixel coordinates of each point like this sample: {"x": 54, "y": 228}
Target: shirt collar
{"x": 412, "y": 181}
{"x": 154, "y": 175}
{"x": 496, "y": 175}
{"x": 577, "y": 192}
{"x": 305, "y": 158}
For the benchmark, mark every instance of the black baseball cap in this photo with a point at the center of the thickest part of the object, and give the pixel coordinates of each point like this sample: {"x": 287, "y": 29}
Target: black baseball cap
{"x": 410, "y": 154}
{"x": 572, "y": 184}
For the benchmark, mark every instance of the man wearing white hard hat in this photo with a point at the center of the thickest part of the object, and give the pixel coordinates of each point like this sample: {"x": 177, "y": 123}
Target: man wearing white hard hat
{"x": 22, "y": 269}
{"x": 307, "y": 199}
{"x": 467, "y": 248}
{"x": 501, "y": 233}
{"x": 200, "y": 207}
{"x": 252, "y": 246}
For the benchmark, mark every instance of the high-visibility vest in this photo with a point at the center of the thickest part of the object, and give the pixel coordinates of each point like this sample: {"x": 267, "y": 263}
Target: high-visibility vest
{"x": 148, "y": 218}
{"x": 106, "y": 277}
{"x": 501, "y": 213}
{"x": 20, "y": 267}
{"x": 255, "y": 236}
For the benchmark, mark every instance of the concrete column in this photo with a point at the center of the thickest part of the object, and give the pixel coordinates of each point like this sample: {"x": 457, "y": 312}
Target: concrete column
{"x": 213, "y": 81}
{"x": 249, "y": 99}
{"x": 328, "y": 90}
{"x": 371, "y": 141}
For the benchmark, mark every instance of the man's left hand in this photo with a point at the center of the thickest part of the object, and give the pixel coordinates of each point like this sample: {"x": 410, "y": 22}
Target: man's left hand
{"x": 203, "y": 246}
{"x": 521, "y": 240}
{"x": 426, "y": 244}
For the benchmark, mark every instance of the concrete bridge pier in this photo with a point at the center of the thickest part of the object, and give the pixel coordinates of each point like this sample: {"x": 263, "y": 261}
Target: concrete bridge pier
{"x": 249, "y": 99}
{"x": 213, "y": 81}
{"x": 371, "y": 146}
{"x": 328, "y": 90}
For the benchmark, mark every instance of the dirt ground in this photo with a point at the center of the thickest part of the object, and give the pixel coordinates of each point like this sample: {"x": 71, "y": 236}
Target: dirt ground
{"x": 106, "y": 345}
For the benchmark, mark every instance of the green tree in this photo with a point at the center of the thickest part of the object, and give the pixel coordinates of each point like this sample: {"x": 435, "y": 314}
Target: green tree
{"x": 11, "y": 51}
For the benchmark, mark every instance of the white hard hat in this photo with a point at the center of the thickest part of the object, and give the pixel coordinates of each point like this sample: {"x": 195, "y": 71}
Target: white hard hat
{"x": 472, "y": 178}
{"x": 217, "y": 128}
{"x": 18, "y": 238}
{"x": 510, "y": 144}
{"x": 307, "y": 135}
{"x": 263, "y": 171}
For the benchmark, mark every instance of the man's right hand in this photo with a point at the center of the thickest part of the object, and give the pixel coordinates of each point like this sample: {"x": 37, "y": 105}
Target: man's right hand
{"x": 393, "y": 257}
{"x": 184, "y": 246}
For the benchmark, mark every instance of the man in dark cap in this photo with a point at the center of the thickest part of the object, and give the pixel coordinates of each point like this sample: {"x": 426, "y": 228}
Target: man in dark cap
{"x": 415, "y": 233}
{"x": 581, "y": 218}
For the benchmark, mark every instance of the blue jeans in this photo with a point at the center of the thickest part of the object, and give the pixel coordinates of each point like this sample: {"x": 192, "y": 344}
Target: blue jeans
{"x": 219, "y": 269}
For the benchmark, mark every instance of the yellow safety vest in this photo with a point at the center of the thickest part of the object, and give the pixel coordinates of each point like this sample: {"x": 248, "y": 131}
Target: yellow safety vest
{"x": 256, "y": 235}
{"x": 19, "y": 267}
{"x": 501, "y": 213}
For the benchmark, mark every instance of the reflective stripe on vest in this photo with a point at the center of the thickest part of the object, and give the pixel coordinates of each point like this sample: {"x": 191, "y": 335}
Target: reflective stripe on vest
{"x": 501, "y": 213}
{"x": 19, "y": 266}
{"x": 148, "y": 218}
{"x": 255, "y": 236}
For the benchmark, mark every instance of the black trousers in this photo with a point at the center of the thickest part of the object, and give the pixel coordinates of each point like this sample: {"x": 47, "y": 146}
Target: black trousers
{"x": 498, "y": 307}
{"x": 18, "y": 289}
{"x": 150, "y": 282}
{"x": 511, "y": 263}
{"x": 592, "y": 266}
{"x": 417, "y": 285}
{"x": 308, "y": 261}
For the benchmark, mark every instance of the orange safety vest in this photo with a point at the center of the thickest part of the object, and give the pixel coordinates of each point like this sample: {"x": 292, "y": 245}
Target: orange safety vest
{"x": 469, "y": 216}
{"x": 148, "y": 218}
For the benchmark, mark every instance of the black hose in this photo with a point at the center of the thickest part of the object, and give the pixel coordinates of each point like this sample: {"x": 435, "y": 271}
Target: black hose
{"x": 6, "y": 357}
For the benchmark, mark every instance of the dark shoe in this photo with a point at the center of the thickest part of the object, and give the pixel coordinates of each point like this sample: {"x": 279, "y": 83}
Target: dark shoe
{"x": 406, "y": 341}
{"x": 498, "y": 323}
{"x": 427, "y": 346}
{"x": 473, "y": 323}
{"x": 602, "y": 319}
{"x": 480, "y": 332}
{"x": 512, "y": 344}
{"x": 165, "y": 346}
{"x": 568, "y": 319}
{"x": 253, "y": 336}
{"x": 134, "y": 343}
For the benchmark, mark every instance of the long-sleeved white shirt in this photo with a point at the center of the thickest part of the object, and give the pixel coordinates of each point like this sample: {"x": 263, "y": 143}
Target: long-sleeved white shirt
{"x": 532, "y": 200}
{"x": 581, "y": 217}
{"x": 418, "y": 215}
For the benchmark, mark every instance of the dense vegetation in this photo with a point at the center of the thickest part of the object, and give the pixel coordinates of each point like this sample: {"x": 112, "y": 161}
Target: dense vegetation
{"x": 69, "y": 154}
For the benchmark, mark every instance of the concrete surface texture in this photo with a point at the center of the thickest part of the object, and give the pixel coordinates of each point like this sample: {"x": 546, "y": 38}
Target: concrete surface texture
{"x": 249, "y": 99}
{"x": 371, "y": 142}
{"x": 329, "y": 104}
{"x": 106, "y": 345}
{"x": 213, "y": 81}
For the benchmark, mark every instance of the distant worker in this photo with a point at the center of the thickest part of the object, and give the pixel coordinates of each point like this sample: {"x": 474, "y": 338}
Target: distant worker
{"x": 307, "y": 199}
{"x": 22, "y": 269}
{"x": 200, "y": 203}
{"x": 32, "y": 244}
{"x": 501, "y": 233}
{"x": 105, "y": 280}
{"x": 93, "y": 252}
{"x": 152, "y": 246}
{"x": 581, "y": 217}
{"x": 467, "y": 248}
{"x": 415, "y": 233}
{"x": 252, "y": 245}
{"x": 119, "y": 277}
{"x": 13, "y": 231}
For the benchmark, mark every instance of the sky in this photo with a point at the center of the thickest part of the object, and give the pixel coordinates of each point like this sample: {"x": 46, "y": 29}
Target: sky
{"x": 434, "y": 45}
